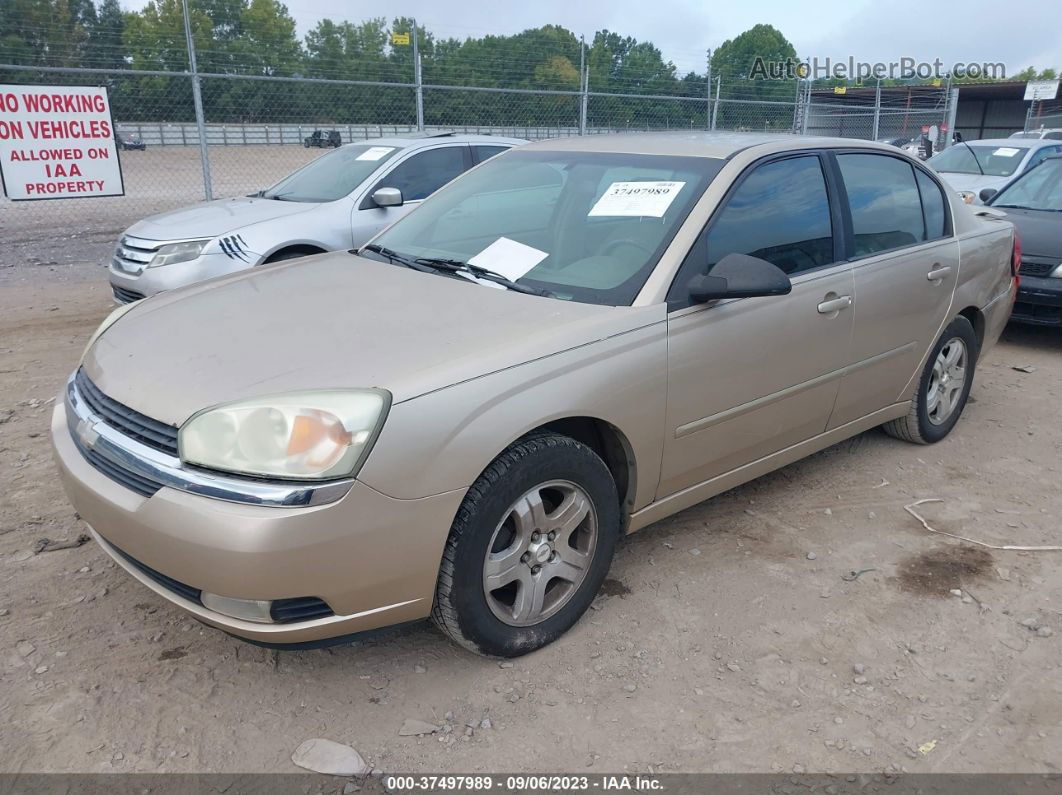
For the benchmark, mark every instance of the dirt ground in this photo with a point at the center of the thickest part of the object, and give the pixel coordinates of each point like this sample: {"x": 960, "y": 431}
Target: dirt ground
{"x": 732, "y": 637}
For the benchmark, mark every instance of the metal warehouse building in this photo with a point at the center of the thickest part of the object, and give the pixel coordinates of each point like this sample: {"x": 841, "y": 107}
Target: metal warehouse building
{"x": 983, "y": 110}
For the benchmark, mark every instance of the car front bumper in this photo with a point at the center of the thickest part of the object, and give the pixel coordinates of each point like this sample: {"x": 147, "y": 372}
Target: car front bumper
{"x": 372, "y": 559}
{"x": 1039, "y": 301}
{"x": 127, "y": 287}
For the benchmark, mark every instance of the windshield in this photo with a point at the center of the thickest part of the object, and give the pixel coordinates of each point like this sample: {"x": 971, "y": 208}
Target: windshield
{"x": 991, "y": 160}
{"x": 584, "y": 226}
{"x": 1038, "y": 189}
{"x": 332, "y": 176}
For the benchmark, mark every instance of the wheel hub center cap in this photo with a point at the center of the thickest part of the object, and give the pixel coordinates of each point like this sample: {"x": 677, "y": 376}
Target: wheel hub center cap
{"x": 540, "y": 553}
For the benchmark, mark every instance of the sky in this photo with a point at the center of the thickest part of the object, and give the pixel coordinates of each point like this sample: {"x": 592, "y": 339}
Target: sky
{"x": 1019, "y": 33}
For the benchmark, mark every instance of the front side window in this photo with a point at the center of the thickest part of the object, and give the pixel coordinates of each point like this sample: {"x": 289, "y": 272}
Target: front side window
{"x": 332, "y": 176}
{"x": 424, "y": 173}
{"x": 779, "y": 213}
{"x": 586, "y": 226}
{"x": 884, "y": 200}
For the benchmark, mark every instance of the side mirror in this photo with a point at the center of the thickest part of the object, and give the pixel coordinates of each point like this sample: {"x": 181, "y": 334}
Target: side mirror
{"x": 987, "y": 193}
{"x": 387, "y": 197}
{"x": 739, "y": 276}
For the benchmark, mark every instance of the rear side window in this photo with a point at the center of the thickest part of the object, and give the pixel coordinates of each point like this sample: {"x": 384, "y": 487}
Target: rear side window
{"x": 885, "y": 203}
{"x": 425, "y": 172}
{"x": 779, "y": 213}
{"x": 481, "y": 153}
{"x": 932, "y": 206}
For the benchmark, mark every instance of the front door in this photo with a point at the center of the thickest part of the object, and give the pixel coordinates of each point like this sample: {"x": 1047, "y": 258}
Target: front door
{"x": 417, "y": 176}
{"x": 748, "y": 377}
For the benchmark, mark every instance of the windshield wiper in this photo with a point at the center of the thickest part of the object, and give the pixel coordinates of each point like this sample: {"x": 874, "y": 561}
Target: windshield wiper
{"x": 395, "y": 257}
{"x": 458, "y": 266}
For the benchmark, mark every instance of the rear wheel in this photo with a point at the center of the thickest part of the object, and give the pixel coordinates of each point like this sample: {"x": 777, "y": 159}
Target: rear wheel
{"x": 529, "y": 547}
{"x": 942, "y": 389}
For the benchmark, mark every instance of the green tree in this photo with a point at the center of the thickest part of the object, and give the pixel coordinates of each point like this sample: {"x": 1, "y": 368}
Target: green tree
{"x": 736, "y": 61}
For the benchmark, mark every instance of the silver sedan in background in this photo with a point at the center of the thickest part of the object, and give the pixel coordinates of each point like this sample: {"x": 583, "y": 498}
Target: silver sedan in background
{"x": 335, "y": 202}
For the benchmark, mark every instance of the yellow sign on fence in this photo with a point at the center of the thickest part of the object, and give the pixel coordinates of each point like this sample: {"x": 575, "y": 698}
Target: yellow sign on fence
{"x": 400, "y": 38}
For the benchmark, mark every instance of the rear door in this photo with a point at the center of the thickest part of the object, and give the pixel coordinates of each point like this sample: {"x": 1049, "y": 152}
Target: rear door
{"x": 905, "y": 263}
{"x": 749, "y": 377}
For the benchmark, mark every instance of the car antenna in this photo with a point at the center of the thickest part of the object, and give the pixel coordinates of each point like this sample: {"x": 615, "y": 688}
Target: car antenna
{"x": 973, "y": 154}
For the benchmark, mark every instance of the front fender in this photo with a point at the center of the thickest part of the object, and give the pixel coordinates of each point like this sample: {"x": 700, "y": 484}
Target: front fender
{"x": 443, "y": 440}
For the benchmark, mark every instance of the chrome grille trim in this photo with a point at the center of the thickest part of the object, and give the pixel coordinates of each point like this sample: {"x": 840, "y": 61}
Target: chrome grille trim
{"x": 124, "y": 458}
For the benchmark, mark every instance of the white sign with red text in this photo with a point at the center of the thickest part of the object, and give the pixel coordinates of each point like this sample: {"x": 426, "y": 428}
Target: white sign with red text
{"x": 57, "y": 142}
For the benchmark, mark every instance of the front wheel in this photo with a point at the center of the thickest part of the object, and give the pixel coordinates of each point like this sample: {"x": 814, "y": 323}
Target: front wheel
{"x": 943, "y": 387}
{"x": 529, "y": 547}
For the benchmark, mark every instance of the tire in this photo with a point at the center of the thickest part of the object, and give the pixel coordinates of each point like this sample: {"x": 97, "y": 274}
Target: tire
{"x": 544, "y": 582}
{"x": 937, "y": 404}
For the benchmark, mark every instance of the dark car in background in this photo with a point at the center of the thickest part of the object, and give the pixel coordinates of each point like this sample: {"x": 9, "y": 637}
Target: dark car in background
{"x": 127, "y": 141}
{"x": 323, "y": 140}
{"x": 1033, "y": 203}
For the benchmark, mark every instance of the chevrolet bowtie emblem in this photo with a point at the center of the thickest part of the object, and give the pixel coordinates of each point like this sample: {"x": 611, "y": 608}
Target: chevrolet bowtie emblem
{"x": 87, "y": 434}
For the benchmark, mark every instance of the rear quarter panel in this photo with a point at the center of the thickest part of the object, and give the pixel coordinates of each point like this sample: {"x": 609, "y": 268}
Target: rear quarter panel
{"x": 986, "y": 245}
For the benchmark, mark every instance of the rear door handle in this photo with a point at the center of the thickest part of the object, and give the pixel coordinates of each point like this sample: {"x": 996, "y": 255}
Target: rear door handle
{"x": 937, "y": 274}
{"x": 835, "y": 305}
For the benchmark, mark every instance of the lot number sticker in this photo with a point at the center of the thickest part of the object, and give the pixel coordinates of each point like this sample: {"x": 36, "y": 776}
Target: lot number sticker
{"x": 57, "y": 142}
{"x": 375, "y": 152}
{"x": 637, "y": 199}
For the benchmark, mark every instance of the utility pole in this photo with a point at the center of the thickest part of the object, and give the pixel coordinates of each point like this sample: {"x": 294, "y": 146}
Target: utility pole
{"x": 197, "y": 100}
{"x": 416, "y": 79}
{"x": 584, "y": 74}
{"x": 708, "y": 85}
{"x": 877, "y": 112}
{"x": 715, "y": 104}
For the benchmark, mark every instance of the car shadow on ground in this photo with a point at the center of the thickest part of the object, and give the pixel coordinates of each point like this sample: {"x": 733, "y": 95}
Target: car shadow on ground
{"x": 1045, "y": 338}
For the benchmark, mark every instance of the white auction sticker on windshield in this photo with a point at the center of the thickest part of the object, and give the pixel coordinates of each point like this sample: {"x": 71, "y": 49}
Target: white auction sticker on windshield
{"x": 508, "y": 257}
{"x": 637, "y": 199}
{"x": 375, "y": 152}
{"x": 1005, "y": 151}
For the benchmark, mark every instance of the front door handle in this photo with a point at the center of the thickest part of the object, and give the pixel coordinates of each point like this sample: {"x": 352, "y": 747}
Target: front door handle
{"x": 835, "y": 305}
{"x": 937, "y": 274}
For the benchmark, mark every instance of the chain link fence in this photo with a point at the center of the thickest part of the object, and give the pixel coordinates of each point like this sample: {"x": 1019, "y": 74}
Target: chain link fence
{"x": 258, "y": 129}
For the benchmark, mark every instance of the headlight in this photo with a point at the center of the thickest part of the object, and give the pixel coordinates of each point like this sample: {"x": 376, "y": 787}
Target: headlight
{"x": 172, "y": 253}
{"x": 305, "y": 435}
{"x": 108, "y": 321}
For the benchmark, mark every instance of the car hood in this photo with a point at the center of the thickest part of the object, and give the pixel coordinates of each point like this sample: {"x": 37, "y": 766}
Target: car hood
{"x": 1040, "y": 231}
{"x": 332, "y": 321}
{"x": 211, "y": 219}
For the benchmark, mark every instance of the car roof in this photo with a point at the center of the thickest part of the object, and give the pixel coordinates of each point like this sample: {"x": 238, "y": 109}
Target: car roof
{"x": 417, "y": 140}
{"x": 1033, "y": 143}
{"x": 719, "y": 145}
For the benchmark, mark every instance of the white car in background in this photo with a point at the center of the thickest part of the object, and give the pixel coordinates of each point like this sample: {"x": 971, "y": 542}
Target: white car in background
{"x": 982, "y": 168}
{"x": 1052, "y": 133}
{"x": 335, "y": 202}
